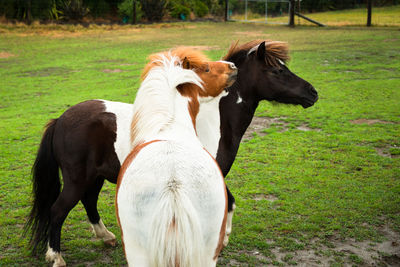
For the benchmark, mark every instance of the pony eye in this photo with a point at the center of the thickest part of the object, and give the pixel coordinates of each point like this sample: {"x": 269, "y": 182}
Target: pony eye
{"x": 277, "y": 71}
{"x": 207, "y": 70}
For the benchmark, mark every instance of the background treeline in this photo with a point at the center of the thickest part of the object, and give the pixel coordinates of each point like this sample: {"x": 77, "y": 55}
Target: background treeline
{"x": 112, "y": 10}
{"x": 146, "y": 10}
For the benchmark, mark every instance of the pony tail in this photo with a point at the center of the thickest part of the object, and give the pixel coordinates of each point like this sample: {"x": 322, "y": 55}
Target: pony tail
{"x": 46, "y": 188}
{"x": 175, "y": 238}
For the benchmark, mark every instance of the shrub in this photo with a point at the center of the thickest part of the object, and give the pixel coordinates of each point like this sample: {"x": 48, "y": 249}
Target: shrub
{"x": 125, "y": 9}
{"x": 73, "y": 9}
{"x": 200, "y": 9}
{"x": 153, "y": 10}
{"x": 178, "y": 10}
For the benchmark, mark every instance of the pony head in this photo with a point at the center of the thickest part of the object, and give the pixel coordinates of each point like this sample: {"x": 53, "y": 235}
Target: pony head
{"x": 263, "y": 68}
{"x": 184, "y": 71}
{"x": 216, "y": 75}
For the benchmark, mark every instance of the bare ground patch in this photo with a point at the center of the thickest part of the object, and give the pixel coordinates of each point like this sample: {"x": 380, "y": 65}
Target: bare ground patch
{"x": 389, "y": 151}
{"x": 268, "y": 197}
{"x": 4, "y": 54}
{"x": 204, "y": 47}
{"x": 370, "y": 121}
{"x": 348, "y": 252}
{"x": 259, "y": 124}
{"x": 111, "y": 70}
{"x": 305, "y": 128}
{"x": 45, "y": 72}
{"x": 252, "y": 34}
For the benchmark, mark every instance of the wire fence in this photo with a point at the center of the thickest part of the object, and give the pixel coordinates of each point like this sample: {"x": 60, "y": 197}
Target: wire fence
{"x": 261, "y": 11}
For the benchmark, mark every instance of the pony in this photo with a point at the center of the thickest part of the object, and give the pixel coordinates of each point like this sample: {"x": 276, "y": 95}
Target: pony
{"x": 171, "y": 197}
{"x": 88, "y": 144}
{"x": 263, "y": 75}
{"x": 91, "y": 156}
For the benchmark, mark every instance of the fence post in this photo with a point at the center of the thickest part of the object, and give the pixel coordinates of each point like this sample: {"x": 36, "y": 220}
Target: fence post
{"x": 291, "y": 15}
{"x": 134, "y": 12}
{"x": 369, "y": 6}
{"x": 29, "y": 12}
{"x": 226, "y": 10}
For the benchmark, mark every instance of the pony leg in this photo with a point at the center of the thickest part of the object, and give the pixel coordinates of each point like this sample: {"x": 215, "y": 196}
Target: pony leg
{"x": 68, "y": 198}
{"x": 51, "y": 255}
{"x": 231, "y": 209}
{"x": 89, "y": 201}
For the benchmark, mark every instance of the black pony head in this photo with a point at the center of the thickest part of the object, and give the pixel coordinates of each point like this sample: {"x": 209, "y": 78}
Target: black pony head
{"x": 263, "y": 71}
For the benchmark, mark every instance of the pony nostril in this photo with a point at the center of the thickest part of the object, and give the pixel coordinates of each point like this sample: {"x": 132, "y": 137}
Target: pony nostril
{"x": 232, "y": 66}
{"x": 312, "y": 90}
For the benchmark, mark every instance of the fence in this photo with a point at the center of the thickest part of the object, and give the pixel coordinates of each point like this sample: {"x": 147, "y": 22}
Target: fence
{"x": 262, "y": 11}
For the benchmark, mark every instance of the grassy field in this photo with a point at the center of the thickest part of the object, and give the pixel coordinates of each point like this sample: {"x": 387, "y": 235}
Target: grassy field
{"x": 317, "y": 186}
{"x": 381, "y": 16}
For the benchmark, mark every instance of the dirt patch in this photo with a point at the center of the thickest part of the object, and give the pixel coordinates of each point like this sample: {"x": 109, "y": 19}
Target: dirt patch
{"x": 6, "y": 54}
{"x": 258, "y": 124}
{"x": 128, "y": 64}
{"x": 305, "y": 128}
{"x": 203, "y": 47}
{"x": 390, "y": 40}
{"x": 252, "y": 34}
{"x": 107, "y": 61}
{"x": 270, "y": 198}
{"x": 45, "y": 72}
{"x": 112, "y": 70}
{"x": 348, "y": 252}
{"x": 388, "y": 151}
{"x": 370, "y": 121}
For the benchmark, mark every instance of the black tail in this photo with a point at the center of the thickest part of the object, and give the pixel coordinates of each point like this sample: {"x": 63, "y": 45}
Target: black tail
{"x": 46, "y": 188}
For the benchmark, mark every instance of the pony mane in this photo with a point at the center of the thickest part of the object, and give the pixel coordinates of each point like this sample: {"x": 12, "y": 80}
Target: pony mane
{"x": 154, "y": 105}
{"x": 195, "y": 58}
{"x": 275, "y": 50}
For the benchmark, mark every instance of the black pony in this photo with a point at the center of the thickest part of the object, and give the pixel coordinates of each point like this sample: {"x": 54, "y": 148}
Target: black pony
{"x": 86, "y": 142}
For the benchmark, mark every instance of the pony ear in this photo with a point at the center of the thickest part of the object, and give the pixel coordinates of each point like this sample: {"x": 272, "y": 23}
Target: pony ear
{"x": 186, "y": 63}
{"x": 261, "y": 51}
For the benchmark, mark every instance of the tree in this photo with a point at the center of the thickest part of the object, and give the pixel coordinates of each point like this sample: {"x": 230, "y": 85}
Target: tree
{"x": 153, "y": 9}
{"x": 369, "y": 6}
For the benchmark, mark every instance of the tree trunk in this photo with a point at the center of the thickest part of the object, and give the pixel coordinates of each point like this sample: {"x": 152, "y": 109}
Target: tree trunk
{"x": 134, "y": 12}
{"x": 291, "y": 18}
{"x": 226, "y": 10}
{"x": 369, "y": 6}
{"x": 29, "y": 12}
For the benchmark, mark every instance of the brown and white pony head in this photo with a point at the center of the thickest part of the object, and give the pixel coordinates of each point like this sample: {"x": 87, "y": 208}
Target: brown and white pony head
{"x": 213, "y": 78}
{"x": 216, "y": 75}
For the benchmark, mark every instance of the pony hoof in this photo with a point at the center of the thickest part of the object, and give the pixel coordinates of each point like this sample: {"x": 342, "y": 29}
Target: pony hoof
{"x": 59, "y": 264}
{"x": 111, "y": 242}
{"x": 226, "y": 240}
{"x": 51, "y": 255}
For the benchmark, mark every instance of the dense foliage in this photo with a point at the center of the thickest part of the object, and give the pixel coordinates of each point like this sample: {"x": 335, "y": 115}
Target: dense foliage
{"x": 153, "y": 10}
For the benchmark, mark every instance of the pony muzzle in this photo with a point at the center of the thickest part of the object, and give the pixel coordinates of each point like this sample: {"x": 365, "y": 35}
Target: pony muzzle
{"x": 232, "y": 77}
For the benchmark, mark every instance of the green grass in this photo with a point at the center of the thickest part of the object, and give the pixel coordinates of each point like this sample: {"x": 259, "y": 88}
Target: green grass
{"x": 381, "y": 16}
{"x": 330, "y": 185}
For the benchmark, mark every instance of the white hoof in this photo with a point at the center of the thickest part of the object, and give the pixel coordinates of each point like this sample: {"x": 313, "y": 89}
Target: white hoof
{"x": 226, "y": 240}
{"x": 52, "y": 256}
{"x": 101, "y": 232}
{"x": 228, "y": 225}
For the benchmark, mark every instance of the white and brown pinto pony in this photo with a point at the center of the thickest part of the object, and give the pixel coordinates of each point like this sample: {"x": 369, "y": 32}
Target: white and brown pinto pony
{"x": 171, "y": 199}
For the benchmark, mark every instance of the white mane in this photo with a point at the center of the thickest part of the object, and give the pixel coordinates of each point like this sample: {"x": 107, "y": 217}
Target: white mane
{"x": 154, "y": 105}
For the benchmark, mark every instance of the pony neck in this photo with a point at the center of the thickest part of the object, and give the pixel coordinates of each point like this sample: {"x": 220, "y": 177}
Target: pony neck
{"x": 182, "y": 127}
{"x": 244, "y": 96}
{"x": 159, "y": 107}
